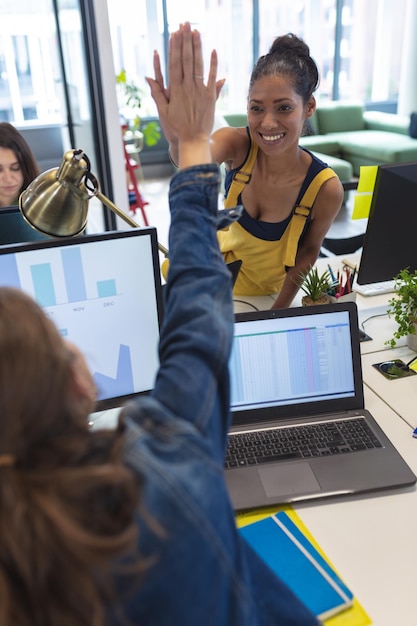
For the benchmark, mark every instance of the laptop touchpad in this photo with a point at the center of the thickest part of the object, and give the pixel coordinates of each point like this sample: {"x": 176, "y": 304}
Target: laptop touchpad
{"x": 289, "y": 478}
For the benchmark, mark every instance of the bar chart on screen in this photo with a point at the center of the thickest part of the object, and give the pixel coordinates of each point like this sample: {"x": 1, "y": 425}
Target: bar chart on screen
{"x": 98, "y": 301}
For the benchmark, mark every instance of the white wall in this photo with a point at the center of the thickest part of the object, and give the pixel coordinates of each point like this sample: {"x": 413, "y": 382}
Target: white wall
{"x": 114, "y": 135}
{"x": 407, "y": 97}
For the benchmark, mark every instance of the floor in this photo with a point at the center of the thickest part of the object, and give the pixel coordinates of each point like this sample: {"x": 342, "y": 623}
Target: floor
{"x": 155, "y": 192}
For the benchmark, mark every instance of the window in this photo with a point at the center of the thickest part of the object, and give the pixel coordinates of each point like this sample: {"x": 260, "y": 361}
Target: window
{"x": 357, "y": 44}
{"x": 371, "y": 50}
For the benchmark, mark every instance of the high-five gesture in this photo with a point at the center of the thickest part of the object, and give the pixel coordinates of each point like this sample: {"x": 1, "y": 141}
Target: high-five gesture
{"x": 186, "y": 107}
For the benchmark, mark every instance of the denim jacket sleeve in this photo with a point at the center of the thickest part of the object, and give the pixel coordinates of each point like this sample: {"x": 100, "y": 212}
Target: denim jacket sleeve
{"x": 196, "y": 334}
{"x": 202, "y": 570}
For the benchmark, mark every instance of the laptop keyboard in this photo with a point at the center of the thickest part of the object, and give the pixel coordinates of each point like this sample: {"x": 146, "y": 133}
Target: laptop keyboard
{"x": 300, "y": 442}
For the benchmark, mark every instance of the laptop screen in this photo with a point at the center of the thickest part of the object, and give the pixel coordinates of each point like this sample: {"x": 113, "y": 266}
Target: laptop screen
{"x": 104, "y": 294}
{"x": 294, "y": 358}
{"x": 14, "y": 228}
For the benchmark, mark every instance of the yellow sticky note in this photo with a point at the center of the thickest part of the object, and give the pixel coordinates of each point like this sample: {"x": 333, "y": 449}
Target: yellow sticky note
{"x": 361, "y": 205}
{"x": 413, "y": 365}
{"x": 363, "y": 198}
{"x": 367, "y": 177}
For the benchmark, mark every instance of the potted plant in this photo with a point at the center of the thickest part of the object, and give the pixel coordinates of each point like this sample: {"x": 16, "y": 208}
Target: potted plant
{"x": 403, "y": 308}
{"x": 130, "y": 101}
{"x": 315, "y": 286}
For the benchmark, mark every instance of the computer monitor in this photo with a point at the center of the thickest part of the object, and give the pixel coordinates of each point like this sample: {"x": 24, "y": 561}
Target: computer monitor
{"x": 103, "y": 292}
{"x": 14, "y": 228}
{"x": 390, "y": 239}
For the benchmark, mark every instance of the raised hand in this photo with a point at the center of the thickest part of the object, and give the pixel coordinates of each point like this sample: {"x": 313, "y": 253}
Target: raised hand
{"x": 186, "y": 107}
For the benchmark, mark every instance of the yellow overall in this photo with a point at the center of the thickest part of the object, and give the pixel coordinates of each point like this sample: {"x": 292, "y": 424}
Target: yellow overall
{"x": 264, "y": 262}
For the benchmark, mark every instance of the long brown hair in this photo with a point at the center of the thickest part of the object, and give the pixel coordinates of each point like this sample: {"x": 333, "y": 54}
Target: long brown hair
{"x": 67, "y": 502}
{"x": 12, "y": 139}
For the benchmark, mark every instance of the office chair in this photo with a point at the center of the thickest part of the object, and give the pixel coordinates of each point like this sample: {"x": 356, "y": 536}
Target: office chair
{"x": 14, "y": 228}
{"x": 343, "y": 245}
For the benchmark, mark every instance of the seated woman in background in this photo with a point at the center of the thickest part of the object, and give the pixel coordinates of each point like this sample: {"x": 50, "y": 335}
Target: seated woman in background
{"x": 290, "y": 197}
{"x": 18, "y": 165}
{"x": 134, "y": 526}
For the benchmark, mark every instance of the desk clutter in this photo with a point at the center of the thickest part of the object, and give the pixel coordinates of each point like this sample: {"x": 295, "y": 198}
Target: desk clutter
{"x": 329, "y": 286}
{"x": 342, "y": 283}
{"x": 281, "y": 539}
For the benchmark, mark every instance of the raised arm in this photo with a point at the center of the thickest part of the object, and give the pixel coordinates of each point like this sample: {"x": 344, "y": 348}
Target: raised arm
{"x": 185, "y": 71}
{"x": 196, "y": 336}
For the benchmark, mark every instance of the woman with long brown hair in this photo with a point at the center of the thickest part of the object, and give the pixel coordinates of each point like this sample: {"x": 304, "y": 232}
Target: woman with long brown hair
{"x": 18, "y": 165}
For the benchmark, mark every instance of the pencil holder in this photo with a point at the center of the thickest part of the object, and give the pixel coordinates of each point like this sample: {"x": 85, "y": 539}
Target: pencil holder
{"x": 348, "y": 297}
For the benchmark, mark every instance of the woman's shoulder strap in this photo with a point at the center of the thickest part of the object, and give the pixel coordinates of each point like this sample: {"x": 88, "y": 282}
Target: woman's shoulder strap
{"x": 314, "y": 187}
{"x": 241, "y": 177}
{"x": 302, "y": 212}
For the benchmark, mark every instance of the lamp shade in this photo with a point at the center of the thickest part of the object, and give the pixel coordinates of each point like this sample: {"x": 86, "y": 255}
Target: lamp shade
{"x": 56, "y": 201}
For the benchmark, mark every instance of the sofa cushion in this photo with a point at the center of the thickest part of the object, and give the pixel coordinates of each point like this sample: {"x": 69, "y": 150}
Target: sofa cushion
{"x": 342, "y": 168}
{"x": 339, "y": 116}
{"x": 236, "y": 119}
{"x": 320, "y": 143}
{"x": 377, "y": 145}
{"x": 379, "y": 120}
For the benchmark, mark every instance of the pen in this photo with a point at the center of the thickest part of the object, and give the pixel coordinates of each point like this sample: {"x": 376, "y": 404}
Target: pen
{"x": 331, "y": 272}
{"x": 348, "y": 286}
{"x": 415, "y": 433}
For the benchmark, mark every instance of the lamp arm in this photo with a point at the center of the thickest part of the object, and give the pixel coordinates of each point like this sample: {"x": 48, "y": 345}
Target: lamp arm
{"x": 110, "y": 205}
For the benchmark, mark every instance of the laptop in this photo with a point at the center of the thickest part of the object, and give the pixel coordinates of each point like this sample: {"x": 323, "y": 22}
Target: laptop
{"x": 294, "y": 371}
{"x": 103, "y": 291}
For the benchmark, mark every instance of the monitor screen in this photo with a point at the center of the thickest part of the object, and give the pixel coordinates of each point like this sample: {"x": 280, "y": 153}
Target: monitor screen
{"x": 14, "y": 228}
{"x": 104, "y": 294}
{"x": 390, "y": 240}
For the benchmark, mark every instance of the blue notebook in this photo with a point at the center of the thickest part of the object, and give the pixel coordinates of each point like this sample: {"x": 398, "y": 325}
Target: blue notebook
{"x": 288, "y": 552}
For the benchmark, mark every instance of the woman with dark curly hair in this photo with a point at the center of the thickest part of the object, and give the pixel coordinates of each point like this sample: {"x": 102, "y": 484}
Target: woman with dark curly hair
{"x": 18, "y": 165}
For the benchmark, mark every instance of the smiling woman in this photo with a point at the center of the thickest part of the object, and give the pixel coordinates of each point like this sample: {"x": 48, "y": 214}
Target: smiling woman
{"x": 290, "y": 197}
{"x": 18, "y": 166}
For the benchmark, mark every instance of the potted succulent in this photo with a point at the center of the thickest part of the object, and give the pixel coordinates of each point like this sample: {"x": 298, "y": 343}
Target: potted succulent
{"x": 403, "y": 308}
{"x": 315, "y": 287}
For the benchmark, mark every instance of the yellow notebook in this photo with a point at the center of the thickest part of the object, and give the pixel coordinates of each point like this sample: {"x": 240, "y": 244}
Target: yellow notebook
{"x": 353, "y": 616}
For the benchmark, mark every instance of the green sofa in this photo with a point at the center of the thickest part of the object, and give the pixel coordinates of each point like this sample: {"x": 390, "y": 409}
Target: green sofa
{"x": 346, "y": 131}
{"x": 343, "y": 168}
{"x": 346, "y": 136}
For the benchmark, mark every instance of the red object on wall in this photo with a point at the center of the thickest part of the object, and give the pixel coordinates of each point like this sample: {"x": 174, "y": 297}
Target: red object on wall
{"x": 136, "y": 200}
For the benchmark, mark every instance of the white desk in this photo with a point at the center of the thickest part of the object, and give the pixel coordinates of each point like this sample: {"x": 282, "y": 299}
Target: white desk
{"x": 399, "y": 394}
{"x": 242, "y": 304}
{"x": 372, "y": 311}
{"x": 371, "y": 540}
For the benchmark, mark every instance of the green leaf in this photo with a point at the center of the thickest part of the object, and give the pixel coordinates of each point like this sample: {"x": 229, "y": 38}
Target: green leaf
{"x": 151, "y": 133}
{"x": 121, "y": 78}
{"x": 403, "y": 305}
{"x": 313, "y": 284}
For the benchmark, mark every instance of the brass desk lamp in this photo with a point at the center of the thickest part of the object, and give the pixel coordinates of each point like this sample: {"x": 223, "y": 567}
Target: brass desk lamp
{"x": 56, "y": 201}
